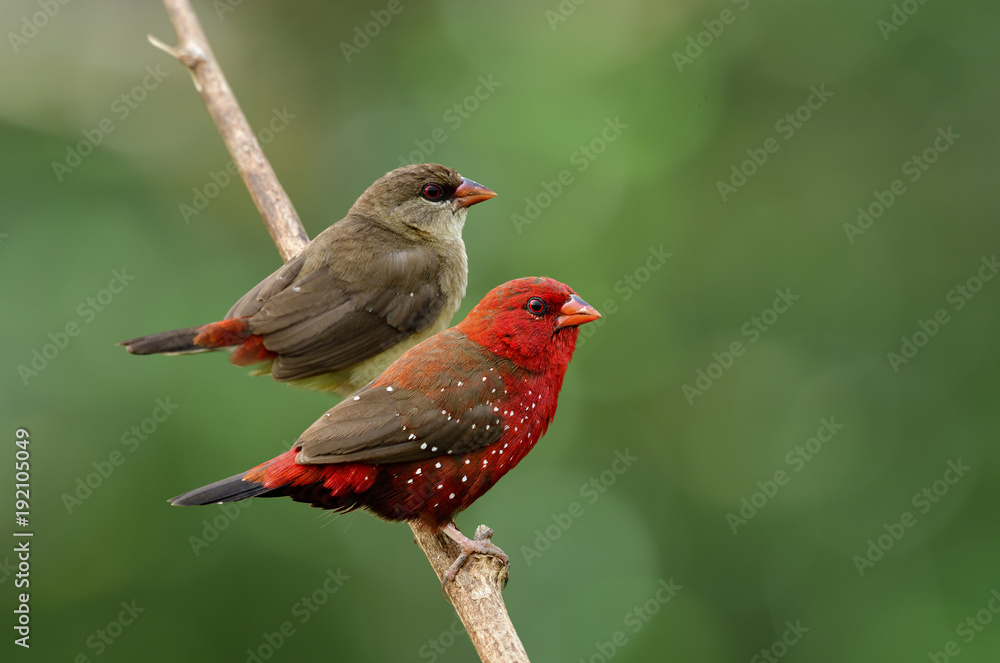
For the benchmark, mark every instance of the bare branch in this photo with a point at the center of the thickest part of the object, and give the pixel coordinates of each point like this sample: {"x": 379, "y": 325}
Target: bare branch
{"x": 476, "y": 595}
{"x": 194, "y": 52}
{"x": 476, "y": 592}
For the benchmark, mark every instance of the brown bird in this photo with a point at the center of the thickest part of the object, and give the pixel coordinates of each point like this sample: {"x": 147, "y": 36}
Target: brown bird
{"x": 385, "y": 277}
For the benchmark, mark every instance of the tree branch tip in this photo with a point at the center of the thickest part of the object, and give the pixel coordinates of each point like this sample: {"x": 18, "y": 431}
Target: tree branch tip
{"x": 166, "y": 48}
{"x": 190, "y": 55}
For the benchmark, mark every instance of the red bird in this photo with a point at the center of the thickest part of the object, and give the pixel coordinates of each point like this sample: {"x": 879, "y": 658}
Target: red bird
{"x": 441, "y": 425}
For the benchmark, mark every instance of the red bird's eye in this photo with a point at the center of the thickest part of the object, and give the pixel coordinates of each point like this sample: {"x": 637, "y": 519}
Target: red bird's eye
{"x": 432, "y": 192}
{"x": 536, "y": 306}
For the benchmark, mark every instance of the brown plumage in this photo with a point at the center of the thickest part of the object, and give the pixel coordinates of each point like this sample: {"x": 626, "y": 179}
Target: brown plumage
{"x": 388, "y": 275}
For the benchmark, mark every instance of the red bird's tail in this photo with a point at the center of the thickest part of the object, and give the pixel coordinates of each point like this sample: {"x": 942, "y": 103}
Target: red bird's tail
{"x": 249, "y": 348}
{"x": 335, "y": 486}
{"x": 232, "y": 489}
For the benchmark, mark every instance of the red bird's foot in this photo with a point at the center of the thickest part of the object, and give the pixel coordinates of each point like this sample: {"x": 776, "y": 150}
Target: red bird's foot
{"x": 481, "y": 545}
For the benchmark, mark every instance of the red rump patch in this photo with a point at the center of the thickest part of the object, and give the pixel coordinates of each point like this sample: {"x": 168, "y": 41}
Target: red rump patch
{"x": 236, "y": 332}
{"x": 222, "y": 334}
{"x": 339, "y": 479}
{"x": 251, "y": 352}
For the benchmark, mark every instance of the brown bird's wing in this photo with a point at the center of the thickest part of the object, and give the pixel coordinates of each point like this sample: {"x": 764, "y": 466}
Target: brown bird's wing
{"x": 454, "y": 411}
{"x": 357, "y": 291}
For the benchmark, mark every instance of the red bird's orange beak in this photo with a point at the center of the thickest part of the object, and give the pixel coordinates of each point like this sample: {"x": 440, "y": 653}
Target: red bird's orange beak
{"x": 469, "y": 193}
{"x": 576, "y": 312}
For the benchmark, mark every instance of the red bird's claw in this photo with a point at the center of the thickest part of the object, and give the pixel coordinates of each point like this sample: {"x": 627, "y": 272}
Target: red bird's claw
{"x": 481, "y": 545}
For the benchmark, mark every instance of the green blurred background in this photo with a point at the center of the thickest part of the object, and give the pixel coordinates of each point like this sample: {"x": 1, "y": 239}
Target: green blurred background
{"x": 825, "y": 556}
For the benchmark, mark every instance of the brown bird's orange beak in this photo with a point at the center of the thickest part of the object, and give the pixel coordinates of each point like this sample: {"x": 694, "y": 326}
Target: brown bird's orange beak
{"x": 469, "y": 193}
{"x": 576, "y": 312}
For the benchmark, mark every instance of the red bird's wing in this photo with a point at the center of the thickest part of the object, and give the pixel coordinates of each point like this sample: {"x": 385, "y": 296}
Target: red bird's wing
{"x": 341, "y": 313}
{"x": 455, "y": 410}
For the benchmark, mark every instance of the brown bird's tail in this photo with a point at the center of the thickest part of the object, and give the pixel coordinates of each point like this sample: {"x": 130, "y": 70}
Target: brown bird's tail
{"x": 176, "y": 342}
{"x": 223, "y": 334}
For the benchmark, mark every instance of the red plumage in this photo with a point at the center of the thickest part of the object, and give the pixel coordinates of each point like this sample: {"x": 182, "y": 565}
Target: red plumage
{"x": 442, "y": 424}
{"x": 248, "y": 348}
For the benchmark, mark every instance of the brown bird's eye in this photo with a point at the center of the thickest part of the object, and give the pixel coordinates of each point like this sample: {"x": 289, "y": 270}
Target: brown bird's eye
{"x": 432, "y": 192}
{"x": 536, "y": 306}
